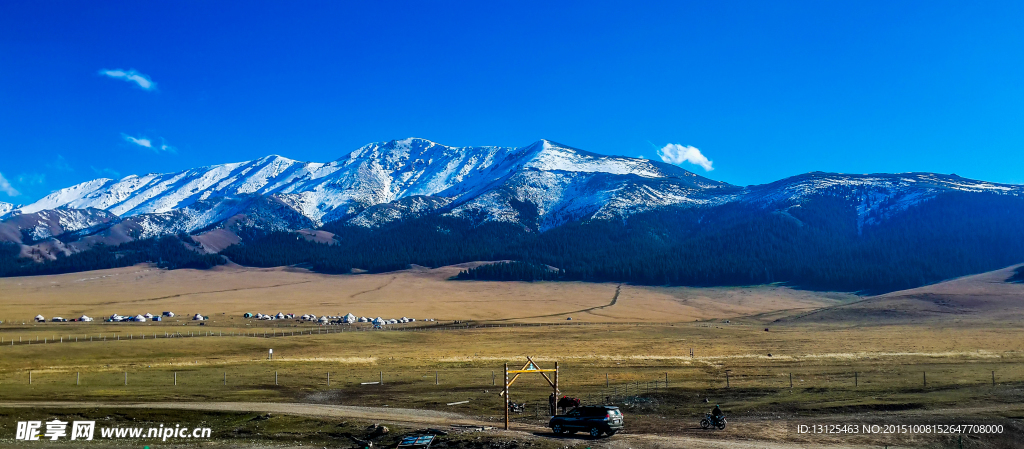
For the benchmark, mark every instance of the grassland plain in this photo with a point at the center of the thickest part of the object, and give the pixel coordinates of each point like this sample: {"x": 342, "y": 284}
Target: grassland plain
{"x": 622, "y": 345}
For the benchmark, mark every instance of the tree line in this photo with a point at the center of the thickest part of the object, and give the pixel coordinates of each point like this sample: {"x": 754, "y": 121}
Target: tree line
{"x": 166, "y": 251}
{"x": 820, "y": 245}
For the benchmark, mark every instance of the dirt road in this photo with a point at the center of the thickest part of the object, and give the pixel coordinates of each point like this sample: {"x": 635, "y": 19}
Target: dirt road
{"x": 421, "y": 418}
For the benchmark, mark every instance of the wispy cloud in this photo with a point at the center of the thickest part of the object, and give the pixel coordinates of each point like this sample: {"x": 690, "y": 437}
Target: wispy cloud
{"x": 6, "y": 187}
{"x": 60, "y": 164}
{"x": 140, "y": 141}
{"x": 674, "y": 153}
{"x": 130, "y": 76}
{"x": 105, "y": 172}
{"x": 165, "y": 147}
{"x": 145, "y": 142}
{"x": 31, "y": 179}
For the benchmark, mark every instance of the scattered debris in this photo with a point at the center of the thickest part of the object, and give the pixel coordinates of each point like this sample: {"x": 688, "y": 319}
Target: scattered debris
{"x": 377, "y": 430}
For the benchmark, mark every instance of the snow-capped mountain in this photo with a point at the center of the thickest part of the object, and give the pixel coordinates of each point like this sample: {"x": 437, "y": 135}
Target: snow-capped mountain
{"x": 563, "y": 182}
{"x": 6, "y": 208}
{"x": 394, "y": 181}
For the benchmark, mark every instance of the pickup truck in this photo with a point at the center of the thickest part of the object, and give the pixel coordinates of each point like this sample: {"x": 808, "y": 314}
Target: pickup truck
{"x": 593, "y": 419}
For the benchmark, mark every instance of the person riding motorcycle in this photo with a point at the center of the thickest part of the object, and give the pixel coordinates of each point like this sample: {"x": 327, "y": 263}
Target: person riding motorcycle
{"x": 717, "y": 414}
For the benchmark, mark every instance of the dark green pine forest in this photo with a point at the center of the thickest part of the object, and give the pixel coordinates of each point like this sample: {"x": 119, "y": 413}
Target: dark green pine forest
{"x": 1018, "y": 275}
{"x": 818, "y": 244}
{"x": 167, "y": 252}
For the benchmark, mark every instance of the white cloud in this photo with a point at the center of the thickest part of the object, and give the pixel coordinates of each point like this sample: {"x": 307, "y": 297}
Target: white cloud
{"x": 165, "y": 147}
{"x": 6, "y": 187}
{"x": 131, "y": 76}
{"x": 140, "y": 141}
{"x": 145, "y": 142}
{"x": 674, "y": 153}
{"x": 31, "y": 179}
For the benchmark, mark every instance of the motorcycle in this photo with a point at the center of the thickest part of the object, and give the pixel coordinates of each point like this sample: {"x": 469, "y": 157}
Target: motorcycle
{"x": 709, "y": 421}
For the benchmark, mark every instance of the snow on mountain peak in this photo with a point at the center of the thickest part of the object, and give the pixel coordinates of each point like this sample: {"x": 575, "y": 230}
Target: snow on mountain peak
{"x": 6, "y": 208}
{"x": 415, "y": 176}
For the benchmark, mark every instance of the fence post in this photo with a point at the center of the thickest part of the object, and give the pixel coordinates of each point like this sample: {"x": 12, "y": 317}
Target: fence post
{"x": 30, "y": 377}
{"x": 275, "y": 378}
{"x": 328, "y": 379}
{"x": 726, "y": 378}
{"x": 993, "y": 378}
{"x": 175, "y": 378}
{"x": 856, "y": 382}
{"x": 126, "y": 377}
{"x": 924, "y": 375}
{"x": 790, "y": 381}
{"x": 78, "y": 378}
{"x": 225, "y": 377}
{"x": 435, "y": 378}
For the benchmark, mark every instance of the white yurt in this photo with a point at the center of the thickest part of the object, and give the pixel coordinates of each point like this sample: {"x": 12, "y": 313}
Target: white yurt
{"x": 40, "y": 318}
{"x": 379, "y": 321}
{"x": 350, "y": 318}
{"x": 140, "y": 318}
{"x": 147, "y": 315}
{"x": 198, "y": 317}
{"x": 280, "y": 316}
{"x": 323, "y": 320}
{"x": 84, "y": 318}
{"x": 363, "y": 319}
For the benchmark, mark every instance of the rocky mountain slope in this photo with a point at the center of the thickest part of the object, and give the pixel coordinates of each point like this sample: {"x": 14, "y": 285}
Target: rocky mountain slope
{"x": 418, "y": 193}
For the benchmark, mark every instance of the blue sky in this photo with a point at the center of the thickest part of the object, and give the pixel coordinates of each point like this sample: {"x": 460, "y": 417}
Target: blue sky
{"x": 764, "y": 90}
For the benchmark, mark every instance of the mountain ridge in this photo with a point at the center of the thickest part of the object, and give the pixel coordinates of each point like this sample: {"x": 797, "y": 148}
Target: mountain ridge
{"x": 545, "y": 194}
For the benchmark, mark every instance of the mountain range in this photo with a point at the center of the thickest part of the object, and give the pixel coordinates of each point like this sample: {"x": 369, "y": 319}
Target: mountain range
{"x": 540, "y": 189}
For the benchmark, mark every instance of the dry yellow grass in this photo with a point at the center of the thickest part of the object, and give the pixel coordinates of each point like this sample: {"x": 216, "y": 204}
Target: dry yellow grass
{"x": 645, "y": 335}
{"x": 416, "y": 293}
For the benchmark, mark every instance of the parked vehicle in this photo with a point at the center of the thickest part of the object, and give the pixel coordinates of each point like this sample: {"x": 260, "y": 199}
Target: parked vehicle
{"x": 593, "y": 419}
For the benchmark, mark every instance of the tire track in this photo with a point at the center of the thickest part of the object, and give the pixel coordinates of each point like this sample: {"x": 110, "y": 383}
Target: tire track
{"x": 615, "y": 300}
{"x": 205, "y": 292}
{"x": 352, "y": 296}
